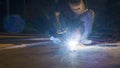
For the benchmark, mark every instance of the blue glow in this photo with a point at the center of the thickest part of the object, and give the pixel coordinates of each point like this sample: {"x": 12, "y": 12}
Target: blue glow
{"x": 13, "y": 24}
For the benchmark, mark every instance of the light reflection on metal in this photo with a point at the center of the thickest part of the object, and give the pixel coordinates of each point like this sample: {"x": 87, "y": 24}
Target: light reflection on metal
{"x": 26, "y": 45}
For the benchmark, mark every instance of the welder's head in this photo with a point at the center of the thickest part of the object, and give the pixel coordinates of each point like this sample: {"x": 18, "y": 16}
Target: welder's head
{"x": 77, "y": 6}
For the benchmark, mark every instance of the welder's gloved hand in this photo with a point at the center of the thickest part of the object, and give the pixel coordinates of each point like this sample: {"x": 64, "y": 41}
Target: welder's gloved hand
{"x": 61, "y": 31}
{"x": 85, "y": 41}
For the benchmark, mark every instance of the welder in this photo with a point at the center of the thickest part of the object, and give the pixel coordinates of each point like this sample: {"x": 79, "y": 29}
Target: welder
{"x": 75, "y": 17}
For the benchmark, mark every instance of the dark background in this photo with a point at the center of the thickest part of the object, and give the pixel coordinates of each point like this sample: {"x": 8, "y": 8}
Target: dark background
{"x": 38, "y": 15}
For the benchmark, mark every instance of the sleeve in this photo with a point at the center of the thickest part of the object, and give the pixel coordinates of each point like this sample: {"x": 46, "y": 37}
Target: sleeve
{"x": 88, "y": 22}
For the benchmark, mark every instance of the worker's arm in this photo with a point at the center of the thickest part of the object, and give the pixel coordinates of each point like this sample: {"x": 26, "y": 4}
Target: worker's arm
{"x": 88, "y": 22}
{"x": 59, "y": 24}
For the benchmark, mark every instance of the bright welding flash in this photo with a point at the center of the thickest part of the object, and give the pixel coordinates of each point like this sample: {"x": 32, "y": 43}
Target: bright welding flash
{"x": 73, "y": 41}
{"x": 72, "y": 44}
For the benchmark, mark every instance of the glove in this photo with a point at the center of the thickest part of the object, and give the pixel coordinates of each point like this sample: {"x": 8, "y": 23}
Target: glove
{"x": 61, "y": 31}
